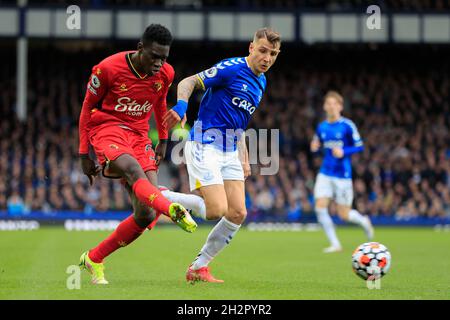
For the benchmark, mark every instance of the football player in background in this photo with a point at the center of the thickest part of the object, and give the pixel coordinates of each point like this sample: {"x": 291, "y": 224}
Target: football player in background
{"x": 339, "y": 139}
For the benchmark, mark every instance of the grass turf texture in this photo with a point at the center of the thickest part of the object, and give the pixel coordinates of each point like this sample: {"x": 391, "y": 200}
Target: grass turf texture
{"x": 257, "y": 265}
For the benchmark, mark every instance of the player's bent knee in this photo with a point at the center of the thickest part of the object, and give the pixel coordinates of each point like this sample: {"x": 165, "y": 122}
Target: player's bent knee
{"x": 237, "y": 216}
{"x": 343, "y": 211}
{"x": 144, "y": 216}
{"x": 144, "y": 221}
{"x": 215, "y": 211}
{"x": 213, "y": 215}
{"x": 141, "y": 212}
{"x": 321, "y": 203}
{"x": 319, "y": 208}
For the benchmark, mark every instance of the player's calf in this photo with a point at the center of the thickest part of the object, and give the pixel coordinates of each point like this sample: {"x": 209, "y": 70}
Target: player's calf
{"x": 145, "y": 219}
{"x": 219, "y": 237}
{"x": 145, "y": 191}
{"x": 143, "y": 215}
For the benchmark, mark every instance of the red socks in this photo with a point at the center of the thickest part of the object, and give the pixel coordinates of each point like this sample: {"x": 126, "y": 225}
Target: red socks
{"x": 126, "y": 232}
{"x": 151, "y": 196}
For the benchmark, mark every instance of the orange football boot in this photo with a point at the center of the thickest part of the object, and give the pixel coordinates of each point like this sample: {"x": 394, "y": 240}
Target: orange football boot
{"x": 201, "y": 274}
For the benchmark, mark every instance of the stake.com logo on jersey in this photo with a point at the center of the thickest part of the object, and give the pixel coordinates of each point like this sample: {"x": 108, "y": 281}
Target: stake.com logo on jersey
{"x": 132, "y": 108}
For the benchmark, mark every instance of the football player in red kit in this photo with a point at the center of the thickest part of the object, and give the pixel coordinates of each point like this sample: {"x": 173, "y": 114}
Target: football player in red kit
{"x": 123, "y": 91}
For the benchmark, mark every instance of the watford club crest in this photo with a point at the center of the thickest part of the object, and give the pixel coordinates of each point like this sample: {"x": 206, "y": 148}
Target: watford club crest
{"x": 157, "y": 86}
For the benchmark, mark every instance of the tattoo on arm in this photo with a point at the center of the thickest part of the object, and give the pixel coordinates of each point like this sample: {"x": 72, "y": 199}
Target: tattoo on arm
{"x": 187, "y": 86}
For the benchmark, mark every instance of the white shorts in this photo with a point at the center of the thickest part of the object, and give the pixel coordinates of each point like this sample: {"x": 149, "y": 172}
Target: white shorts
{"x": 339, "y": 189}
{"x": 207, "y": 165}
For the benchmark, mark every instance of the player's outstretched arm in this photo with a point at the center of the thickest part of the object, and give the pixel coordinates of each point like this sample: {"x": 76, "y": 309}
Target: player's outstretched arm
{"x": 184, "y": 91}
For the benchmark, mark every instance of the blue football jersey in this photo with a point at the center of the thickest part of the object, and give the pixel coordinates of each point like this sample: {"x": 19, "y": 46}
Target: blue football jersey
{"x": 342, "y": 134}
{"x": 233, "y": 93}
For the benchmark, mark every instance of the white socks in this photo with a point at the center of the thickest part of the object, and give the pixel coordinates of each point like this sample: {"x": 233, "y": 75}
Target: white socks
{"x": 325, "y": 220}
{"x": 218, "y": 238}
{"x": 357, "y": 218}
{"x": 189, "y": 201}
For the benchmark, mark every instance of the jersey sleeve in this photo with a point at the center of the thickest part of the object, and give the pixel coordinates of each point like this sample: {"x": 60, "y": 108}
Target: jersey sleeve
{"x": 161, "y": 106}
{"x": 95, "y": 91}
{"x": 355, "y": 136}
{"x": 355, "y": 140}
{"x": 219, "y": 75}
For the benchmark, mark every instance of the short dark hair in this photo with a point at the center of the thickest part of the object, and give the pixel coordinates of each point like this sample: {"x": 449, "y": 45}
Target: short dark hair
{"x": 157, "y": 33}
{"x": 267, "y": 33}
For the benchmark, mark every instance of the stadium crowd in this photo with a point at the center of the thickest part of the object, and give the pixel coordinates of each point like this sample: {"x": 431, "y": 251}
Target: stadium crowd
{"x": 399, "y": 103}
{"x": 403, "y": 116}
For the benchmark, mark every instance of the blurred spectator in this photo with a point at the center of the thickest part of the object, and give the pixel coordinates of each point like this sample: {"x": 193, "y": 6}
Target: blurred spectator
{"x": 15, "y": 204}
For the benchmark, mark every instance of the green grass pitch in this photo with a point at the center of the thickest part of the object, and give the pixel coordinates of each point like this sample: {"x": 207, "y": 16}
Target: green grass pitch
{"x": 257, "y": 265}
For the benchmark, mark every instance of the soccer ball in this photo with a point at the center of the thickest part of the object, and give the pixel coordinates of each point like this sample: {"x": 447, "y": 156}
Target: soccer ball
{"x": 371, "y": 260}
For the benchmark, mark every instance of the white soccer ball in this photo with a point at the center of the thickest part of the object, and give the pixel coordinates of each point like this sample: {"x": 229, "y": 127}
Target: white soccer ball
{"x": 371, "y": 260}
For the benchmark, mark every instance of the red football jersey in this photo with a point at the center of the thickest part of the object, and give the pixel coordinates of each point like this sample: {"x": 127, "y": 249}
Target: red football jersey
{"x": 117, "y": 95}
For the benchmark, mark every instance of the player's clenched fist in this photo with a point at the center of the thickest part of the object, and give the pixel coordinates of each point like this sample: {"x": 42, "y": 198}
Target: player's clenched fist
{"x": 160, "y": 151}
{"x": 315, "y": 145}
{"x": 338, "y": 153}
{"x": 176, "y": 114}
{"x": 171, "y": 118}
{"x": 90, "y": 169}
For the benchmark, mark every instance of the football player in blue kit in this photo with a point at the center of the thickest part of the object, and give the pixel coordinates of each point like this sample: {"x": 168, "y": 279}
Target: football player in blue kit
{"x": 339, "y": 139}
{"x": 216, "y": 153}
